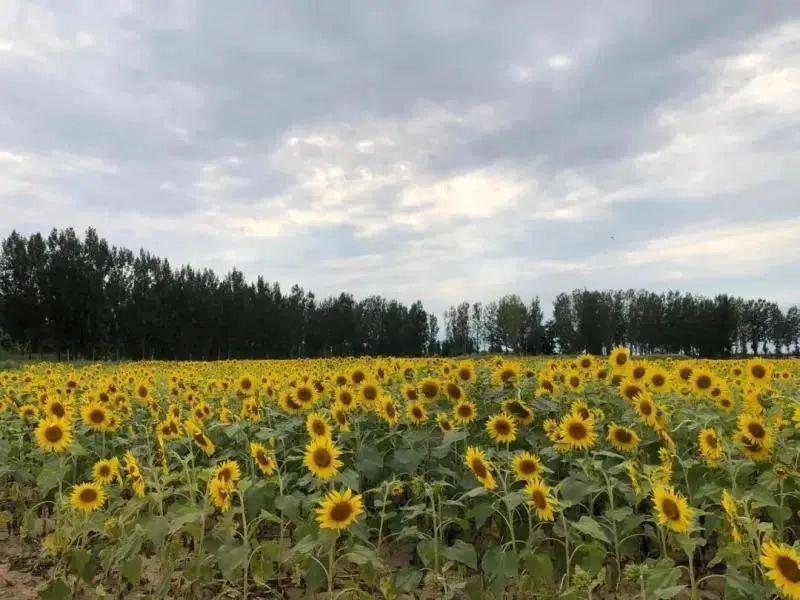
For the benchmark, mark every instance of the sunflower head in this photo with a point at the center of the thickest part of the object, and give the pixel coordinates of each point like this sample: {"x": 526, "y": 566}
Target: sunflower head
{"x": 87, "y": 497}
{"x": 502, "y": 428}
{"x": 339, "y": 510}
{"x": 672, "y": 509}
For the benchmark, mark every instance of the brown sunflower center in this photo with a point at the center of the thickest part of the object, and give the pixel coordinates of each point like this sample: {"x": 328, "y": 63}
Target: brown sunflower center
{"x": 621, "y": 359}
{"x": 346, "y": 398}
{"x": 319, "y": 428}
{"x": 453, "y": 391}
{"x": 658, "y": 380}
{"x": 97, "y": 416}
{"x": 390, "y": 411}
{"x": 528, "y": 466}
{"x": 623, "y": 436}
{"x": 322, "y": 458}
{"x": 539, "y": 500}
{"x": 479, "y": 468}
{"x": 758, "y": 371}
{"x": 304, "y": 394}
{"x": 57, "y": 409}
{"x": 104, "y": 470}
{"x": 417, "y": 412}
{"x": 88, "y": 495}
{"x": 646, "y": 408}
{"x": 756, "y": 430}
{"x": 341, "y": 511}
{"x": 577, "y": 431}
{"x": 711, "y": 441}
{"x": 670, "y": 509}
{"x": 704, "y": 382}
{"x": 638, "y": 372}
{"x": 788, "y": 568}
{"x": 430, "y": 389}
{"x": 502, "y": 427}
{"x": 53, "y": 434}
{"x": 464, "y": 374}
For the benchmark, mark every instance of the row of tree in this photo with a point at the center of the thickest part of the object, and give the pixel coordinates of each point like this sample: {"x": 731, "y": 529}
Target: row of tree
{"x": 647, "y": 322}
{"x": 65, "y": 295}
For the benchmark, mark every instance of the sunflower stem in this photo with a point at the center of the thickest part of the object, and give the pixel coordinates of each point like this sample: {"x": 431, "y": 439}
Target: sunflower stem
{"x": 331, "y": 555}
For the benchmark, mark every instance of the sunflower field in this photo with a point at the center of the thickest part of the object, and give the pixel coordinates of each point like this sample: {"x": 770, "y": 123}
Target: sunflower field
{"x": 492, "y": 477}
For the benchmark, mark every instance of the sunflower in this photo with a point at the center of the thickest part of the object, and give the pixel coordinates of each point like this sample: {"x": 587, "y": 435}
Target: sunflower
{"x": 87, "y": 497}
{"x": 339, "y": 415}
{"x": 429, "y": 388}
{"x": 783, "y": 568}
{"x": 646, "y": 409}
{"x": 619, "y": 358}
{"x": 339, "y": 510}
{"x": 453, "y": 391}
{"x": 317, "y": 425}
{"x": 502, "y": 428}
{"x": 573, "y": 381}
{"x": 305, "y": 394}
{"x": 387, "y": 409}
{"x": 369, "y": 392}
{"x": 758, "y": 372}
{"x": 264, "y": 460}
{"x": 106, "y": 471}
{"x": 443, "y": 421}
{"x": 672, "y": 509}
{"x": 410, "y": 392}
{"x": 321, "y": 458}
{"x": 220, "y": 492}
{"x": 169, "y": 428}
{"x": 464, "y": 412}
{"x": 482, "y": 469}
{"x": 728, "y": 503}
{"x": 53, "y": 435}
{"x": 585, "y": 362}
{"x": 95, "y": 415}
{"x": 527, "y": 466}
{"x": 519, "y": 410}
{"x": 465, "y": 372}
{"x": 57, "y": 409}
{"x": 710, "y": 445}
{"x": 576, "y": 432}
{"x": 357, "y": 375}
{"x": 506, "y": 374}
{"x": 227, "y": 472}
{"x": 416, "y": 412}
{"x": 581, "y": 409}
{"x": 345, "y": 398}
{"x": 629, "y": 389}
{"x": 751, "y": 448}
{"x": 198, "y": 437}
{"x": 755, "y": 429}
{"x": 657, "y": 379}
{"x": 246, "y": 385}
{"x": 622, "y": 438}
{"x": 540, "y": 499}
{"x": 701, "y": 381}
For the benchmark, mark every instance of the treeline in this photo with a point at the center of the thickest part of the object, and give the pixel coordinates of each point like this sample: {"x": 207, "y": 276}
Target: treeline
{"x": 647, "y": 322}
{"x": 66, "y": 296}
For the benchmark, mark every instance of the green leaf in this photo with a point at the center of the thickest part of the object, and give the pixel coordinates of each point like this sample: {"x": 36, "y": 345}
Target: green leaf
{"x": 289, "y": 505}
{"x": 425, "y": 550}
{"x": 131, "y": 570}
{"x": 408, "y": 580}
{"x": 539, "y": 568}
{"x": 406, "y": 460}
{"x": 591, "y": 528}
{"x": 56, "y": 590}
{"x": 231, "y": 558}
{"x": 52, "y": 472}
{"x": 369, "y": 463}
{"x": 80, "y": 562}
{"x": 463, "y": 553}
{"x": 157, "y": 528}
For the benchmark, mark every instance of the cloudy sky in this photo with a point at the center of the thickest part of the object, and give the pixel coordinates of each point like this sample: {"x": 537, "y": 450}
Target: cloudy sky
{"x": 433, "y": 150}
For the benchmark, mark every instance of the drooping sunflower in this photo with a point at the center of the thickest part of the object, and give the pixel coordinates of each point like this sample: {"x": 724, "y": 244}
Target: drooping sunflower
{"x": 87, "y": 497}
{"x": 321, "y": 458}
{"x": 465, "y": 412}
{"x": 527, "y": 466}
{"x": 629, "y": 389}
{"x": 672, "y": 509}
{"x": 106, "y": 471}
{"x": 541, "y": 499}
{"x": 519, "y": 410}
{"x": 502, "y": 428}
{"x": 317, "y": 425}
{"x": 710, "y": 444}
{"x": 95, "y": 415}
{"x": 783, "y": 568}
{"x": 53, "y": 435}
{"x": 756, "y": 429}
{"x": 752, "y": 448}
{"x": 453, "y": 391}
{"x": 443, "y": 421}
{"x": 266, "y": 464}
{"x": 646, "y": 409}
{"x": 416, "y": 412}
{"x": 506, "y": 374}
{"x": 410, "y": 392}
{"x": 339, "y": 415}
{"x": 477, "y": 462}
{"x": 58, "y": 409}
{"x": 220, "y": 493}
{"x": 198, "y": 437}
{"x": 387, "y": 409}
{"x": 339, "y": 510}
{"x": 169, "y": 428}
{"x": 622, "y": 438}
{"x": 246, "y": 384}
{"x": 577, "y": 433}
